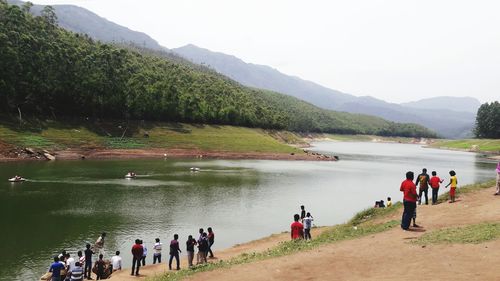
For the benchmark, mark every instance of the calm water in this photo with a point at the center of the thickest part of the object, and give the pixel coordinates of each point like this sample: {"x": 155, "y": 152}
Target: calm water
{"x": 67, "y": 204}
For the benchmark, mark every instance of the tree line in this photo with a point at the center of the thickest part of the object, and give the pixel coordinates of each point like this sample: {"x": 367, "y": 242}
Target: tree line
{"x": 48, "y": 71}
{"x": 488, "y": 121}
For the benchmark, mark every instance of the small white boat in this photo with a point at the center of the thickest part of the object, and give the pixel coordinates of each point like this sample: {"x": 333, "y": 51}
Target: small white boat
{"x": 17, "y": 179}
{"x": 194, "y": 169}
{"x": 130, "y": 176}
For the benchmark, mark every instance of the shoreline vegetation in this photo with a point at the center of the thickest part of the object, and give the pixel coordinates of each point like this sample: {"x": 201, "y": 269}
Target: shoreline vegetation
{"x": 366, "y": 222}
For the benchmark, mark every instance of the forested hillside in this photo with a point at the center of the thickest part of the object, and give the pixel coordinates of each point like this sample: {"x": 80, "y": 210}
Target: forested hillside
{"x": 48, "y": 71}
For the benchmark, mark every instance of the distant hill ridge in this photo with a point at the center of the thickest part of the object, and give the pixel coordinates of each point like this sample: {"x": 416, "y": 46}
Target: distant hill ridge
{"x": 80, "y": 20}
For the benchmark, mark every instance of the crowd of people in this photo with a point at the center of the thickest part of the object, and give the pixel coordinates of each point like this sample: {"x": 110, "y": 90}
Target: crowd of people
{"x": 424, "y": 182}
{"x": 66, "y": 268}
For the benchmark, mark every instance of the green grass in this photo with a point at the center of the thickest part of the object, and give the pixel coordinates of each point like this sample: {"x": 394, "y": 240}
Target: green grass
{"x": 484, "y": 145}
{"x": 371, "y": 213}
{"x": 333, "y": 234}
{"x": 112, "y": 134}
{"x": 471, "y": 234}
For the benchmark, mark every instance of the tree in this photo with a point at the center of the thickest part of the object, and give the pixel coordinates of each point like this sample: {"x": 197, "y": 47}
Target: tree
{"x": 488, "y": 121}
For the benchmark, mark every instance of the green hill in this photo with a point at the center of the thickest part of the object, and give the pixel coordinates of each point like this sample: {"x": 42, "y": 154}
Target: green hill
{"x": 48, "y": 71}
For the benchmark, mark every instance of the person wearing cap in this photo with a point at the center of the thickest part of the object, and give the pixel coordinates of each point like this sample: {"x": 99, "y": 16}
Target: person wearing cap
{"x": 498, "y": 179}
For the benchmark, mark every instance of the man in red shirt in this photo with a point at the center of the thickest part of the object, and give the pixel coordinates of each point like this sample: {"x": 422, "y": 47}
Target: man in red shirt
{"x": 137, "y": 252}
{"x": 409, "y": 200}
{"x": 297, "y": 228}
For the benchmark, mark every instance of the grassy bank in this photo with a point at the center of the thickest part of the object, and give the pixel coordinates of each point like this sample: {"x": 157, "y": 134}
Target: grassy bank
{"x": 482, "y": 145}
{"x": 360, "y": 226}
{"x": 54, "y": 135}
{"x": 471, "y": 234}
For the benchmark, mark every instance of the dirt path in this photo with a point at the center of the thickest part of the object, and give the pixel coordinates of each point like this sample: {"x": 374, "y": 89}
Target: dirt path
{"x": 389, "y": 255}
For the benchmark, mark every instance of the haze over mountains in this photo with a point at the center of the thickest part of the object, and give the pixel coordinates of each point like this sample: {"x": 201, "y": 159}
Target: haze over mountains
{"x": 451, "y": 117}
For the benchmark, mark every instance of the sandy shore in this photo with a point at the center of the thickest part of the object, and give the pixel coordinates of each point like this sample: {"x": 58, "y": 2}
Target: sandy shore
{"x": 384, "y": 256}
{"x": 80, "y": 154}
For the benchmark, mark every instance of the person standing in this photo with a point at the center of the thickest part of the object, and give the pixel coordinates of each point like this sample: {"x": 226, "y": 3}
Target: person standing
{"x": 409, "y": 200}
{"x": 297, "y": 229}
{"x": 198, "y": 256}
{"x": 56, "y": 268}
{"x": 88, "y": 262}
{"x": 70, "y": 262}
{"x": 116, "y": 262}
{"x": 434, "y": 183}
{"x": 174, "y": 252}
{"x": 453, "y": 185}
{"x": 498, "y": 179}
{"x": 144, "y": 253}
{"x": 137, "y": 252}
{"x": 157, "y": 251}
{"x": 99, "y": 243}
{"x": 423, "y": 181}
{"x": 81, "y": 258}
{"x": 190, "y": 243}
{"x": 302, "y": 212}
{"x": 211, "y": 241}
{"x": 77, "y": 272}
{"x": 307, "y": 226}
{"x": 389, "y": 202}
{"x": 203, "y": 248}
{"x": 99, "y": 265}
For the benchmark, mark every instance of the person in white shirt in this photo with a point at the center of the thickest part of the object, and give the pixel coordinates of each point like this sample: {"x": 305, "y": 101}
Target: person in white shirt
{"x": 116, "y": 262}
{"x": 70, "y": 262}
{"x": 99, "y": 244}
{"x": 307, "y": 226}
{"x": 157, "y": 249}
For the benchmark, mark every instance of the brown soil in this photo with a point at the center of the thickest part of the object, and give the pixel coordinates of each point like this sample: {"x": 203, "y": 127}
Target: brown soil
{"x": 383, "y": 256}
{"x": 8, "y": 154}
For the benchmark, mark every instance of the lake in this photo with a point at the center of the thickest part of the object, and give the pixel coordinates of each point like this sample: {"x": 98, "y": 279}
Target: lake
{"x": 66, "y": 204}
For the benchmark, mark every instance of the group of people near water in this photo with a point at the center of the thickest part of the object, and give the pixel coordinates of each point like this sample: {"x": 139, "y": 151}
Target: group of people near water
{"x": 67, "y": 268}
{"x": 411, "y": 197}
{"x": 301, "y": 229}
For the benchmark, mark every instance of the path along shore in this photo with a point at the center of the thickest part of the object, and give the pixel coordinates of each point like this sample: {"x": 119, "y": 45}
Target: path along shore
{"x": 388, "y": 255}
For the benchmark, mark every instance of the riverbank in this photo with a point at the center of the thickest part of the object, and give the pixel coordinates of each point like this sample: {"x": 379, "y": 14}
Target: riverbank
{"x": 369, "y": 247}
{"x": 491, "y": 147}
{"x": 119, "y": 140}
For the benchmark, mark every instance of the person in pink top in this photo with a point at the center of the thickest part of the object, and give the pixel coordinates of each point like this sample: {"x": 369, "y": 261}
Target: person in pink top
{"x": 498, "y": 179}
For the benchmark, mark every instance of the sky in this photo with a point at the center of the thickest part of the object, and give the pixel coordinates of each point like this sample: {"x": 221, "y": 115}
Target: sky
{"x": 395, "y": 50}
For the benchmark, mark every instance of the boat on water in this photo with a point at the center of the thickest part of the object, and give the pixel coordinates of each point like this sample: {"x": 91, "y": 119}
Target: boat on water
{"x": 17, "y": 179}
{"x": 130, "y": 175}
{"x": 194, "y": 169}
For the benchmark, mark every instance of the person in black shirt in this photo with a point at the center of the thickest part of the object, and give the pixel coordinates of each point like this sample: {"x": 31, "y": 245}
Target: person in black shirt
{"x": 88, "y": 262}
{"x": 302, "y": 212}
{"x": 99, "y": 264}
{"x": 190, "y": 243}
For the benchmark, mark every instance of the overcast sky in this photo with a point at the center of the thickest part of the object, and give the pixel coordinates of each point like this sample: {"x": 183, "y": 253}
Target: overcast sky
{"x": 396, "y": 50}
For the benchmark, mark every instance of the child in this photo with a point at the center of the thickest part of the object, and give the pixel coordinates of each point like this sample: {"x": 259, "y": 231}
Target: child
{"x": 434, "y": 182}
{"x": 174, "y": 252}
{"x": 389, "y": 202}
{"x": 302, "y": 213}
{"x": 190, "y": 243}
{"x": 157, "y": 253}
{"x": 453, "y": 185}
{"x": 203, "y": 248}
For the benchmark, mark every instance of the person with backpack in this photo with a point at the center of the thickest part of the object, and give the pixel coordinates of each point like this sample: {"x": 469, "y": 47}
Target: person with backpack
{"x": 423, "y": 181}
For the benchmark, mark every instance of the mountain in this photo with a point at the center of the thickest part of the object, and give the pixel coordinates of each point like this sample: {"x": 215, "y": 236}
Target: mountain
{"x": 80, "y": 20}
{"x": 264, "y": 77}
{"x": 49, "y": 71}
{"x": 77, "y": 19}
{"x": 461, "y": 104}
{"x": 455, "y": 121}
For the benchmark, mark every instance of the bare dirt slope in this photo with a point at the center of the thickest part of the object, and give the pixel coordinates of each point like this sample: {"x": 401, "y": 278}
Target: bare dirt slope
{"x": 383, "y": 256}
